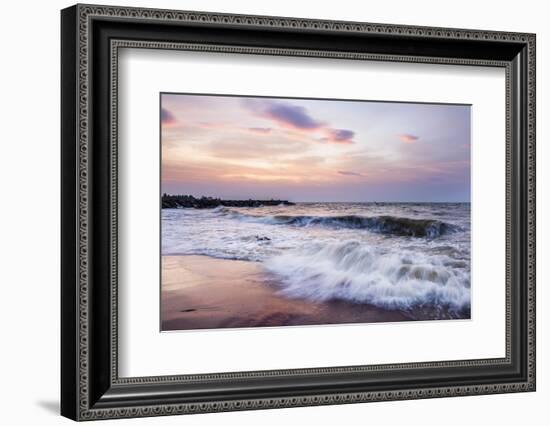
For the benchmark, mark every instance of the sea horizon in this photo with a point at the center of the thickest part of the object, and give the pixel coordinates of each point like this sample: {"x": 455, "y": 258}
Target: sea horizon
{"x": 310, "y": 202}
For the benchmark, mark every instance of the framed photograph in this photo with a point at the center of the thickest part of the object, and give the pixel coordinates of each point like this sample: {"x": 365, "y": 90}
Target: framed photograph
{"x": 263, "y": 212}
{"x": 291, "y": 241}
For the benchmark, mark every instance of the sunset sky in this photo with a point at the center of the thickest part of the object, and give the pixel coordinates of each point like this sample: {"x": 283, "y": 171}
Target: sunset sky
{"x": 314, "y": 150}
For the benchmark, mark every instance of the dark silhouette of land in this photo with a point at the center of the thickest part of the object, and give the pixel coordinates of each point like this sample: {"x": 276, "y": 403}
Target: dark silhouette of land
{"x": 188, "y": 201}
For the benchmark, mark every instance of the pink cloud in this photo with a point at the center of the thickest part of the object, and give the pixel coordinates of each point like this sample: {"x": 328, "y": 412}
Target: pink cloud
{"x": 348, "y": 173}
{"x": 284, "y": 114}
{"x": 338, "y": 136}
{"x": 167, "y": 118}
{"x": 408, "y": 138}
{"x": 296, "y": 118}
{"x": 262, "y": 130}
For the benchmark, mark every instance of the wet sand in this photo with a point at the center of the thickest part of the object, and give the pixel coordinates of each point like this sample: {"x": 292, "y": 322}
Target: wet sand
{"x": 200, "y": 292}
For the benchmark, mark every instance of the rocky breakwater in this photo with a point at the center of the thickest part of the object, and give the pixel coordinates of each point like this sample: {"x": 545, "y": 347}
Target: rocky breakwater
{"x": 188, "y": 201}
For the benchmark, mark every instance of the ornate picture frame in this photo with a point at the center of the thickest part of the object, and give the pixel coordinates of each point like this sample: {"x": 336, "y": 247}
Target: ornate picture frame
{"x": 91, "y": 38}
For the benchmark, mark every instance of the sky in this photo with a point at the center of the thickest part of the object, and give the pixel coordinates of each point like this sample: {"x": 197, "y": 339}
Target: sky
{"x": 235, "y": 147}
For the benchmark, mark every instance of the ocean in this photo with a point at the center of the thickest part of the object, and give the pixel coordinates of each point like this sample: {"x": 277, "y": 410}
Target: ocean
{"x": 411, "y": 257}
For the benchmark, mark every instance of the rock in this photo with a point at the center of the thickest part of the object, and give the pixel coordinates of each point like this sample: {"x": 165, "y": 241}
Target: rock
{"x": 188, "y": 201}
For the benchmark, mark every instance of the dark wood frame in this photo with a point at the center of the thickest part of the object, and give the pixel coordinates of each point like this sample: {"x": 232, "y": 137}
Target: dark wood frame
{"x": 91, "y": 37}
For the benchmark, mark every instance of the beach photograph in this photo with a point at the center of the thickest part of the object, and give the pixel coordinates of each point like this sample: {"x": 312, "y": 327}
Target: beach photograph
{"x": 279, "y": 211}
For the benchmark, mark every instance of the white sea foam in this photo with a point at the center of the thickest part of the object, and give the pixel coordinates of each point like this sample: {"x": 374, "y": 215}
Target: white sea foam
{"x": 355, "y": 272}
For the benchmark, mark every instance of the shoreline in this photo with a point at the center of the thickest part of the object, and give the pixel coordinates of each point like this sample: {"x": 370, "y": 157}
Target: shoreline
{"x": 202, "y": 292}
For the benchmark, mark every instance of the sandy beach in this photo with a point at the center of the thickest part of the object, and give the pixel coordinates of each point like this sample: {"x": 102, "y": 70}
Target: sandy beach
{"x": 201, "y": 292}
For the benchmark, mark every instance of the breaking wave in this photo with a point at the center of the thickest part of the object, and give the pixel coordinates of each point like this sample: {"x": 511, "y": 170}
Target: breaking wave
{"x": 391, "y": 225}
{"x": 358, "y": 273}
